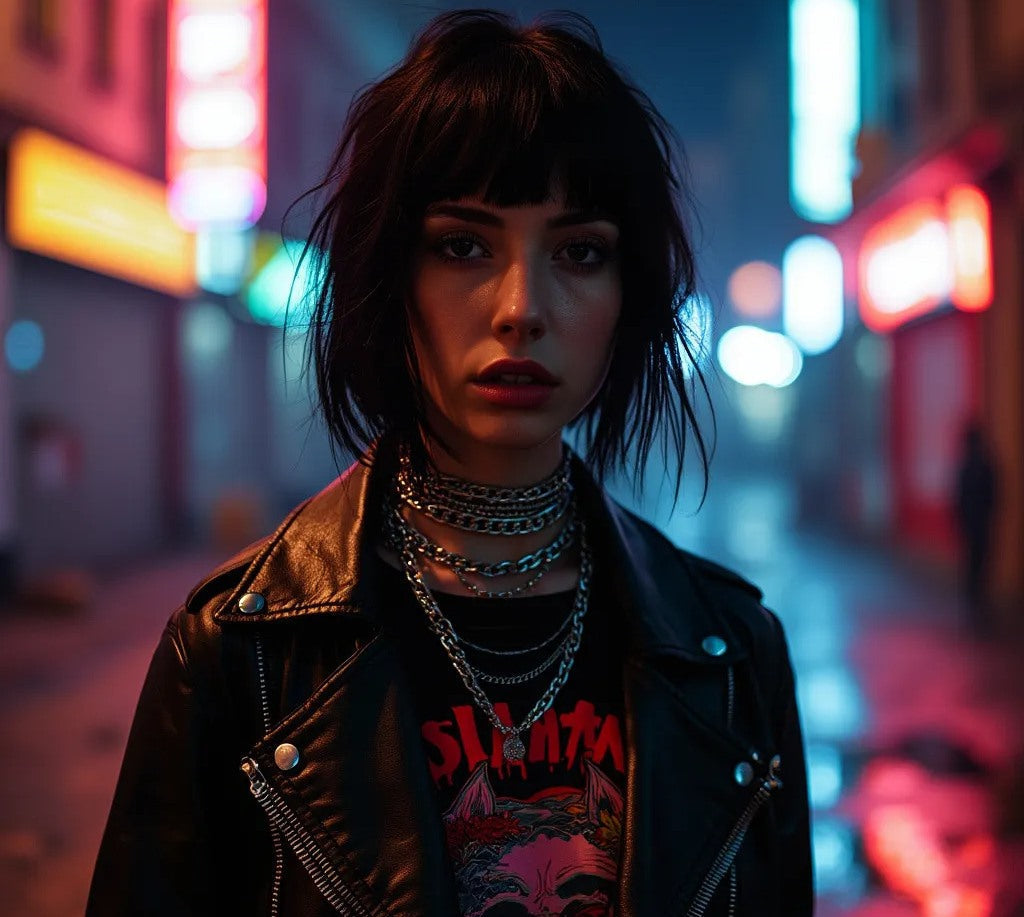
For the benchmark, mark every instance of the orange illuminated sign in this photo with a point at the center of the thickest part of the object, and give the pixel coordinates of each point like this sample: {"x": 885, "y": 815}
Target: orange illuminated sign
{"x": 925, "y": 255}
{"x": 72, "y": 205}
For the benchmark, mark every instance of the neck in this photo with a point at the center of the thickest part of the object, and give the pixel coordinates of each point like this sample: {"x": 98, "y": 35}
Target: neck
{"x": 499, "y": 466}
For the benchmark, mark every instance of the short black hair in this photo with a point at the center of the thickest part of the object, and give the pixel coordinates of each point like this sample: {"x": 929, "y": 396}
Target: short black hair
{"x": 483, "y": 106}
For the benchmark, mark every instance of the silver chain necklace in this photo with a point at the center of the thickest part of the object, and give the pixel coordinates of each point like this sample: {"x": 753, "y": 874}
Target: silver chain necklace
{"x": 397, "y": 532}
{"x": 513, "y": 747}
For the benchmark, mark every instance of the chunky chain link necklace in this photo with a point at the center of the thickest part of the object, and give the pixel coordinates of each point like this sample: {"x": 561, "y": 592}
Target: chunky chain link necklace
{"x": 482, "y": 508}
{"x": 492, "y": 510}
{"x": 397, "y": 532}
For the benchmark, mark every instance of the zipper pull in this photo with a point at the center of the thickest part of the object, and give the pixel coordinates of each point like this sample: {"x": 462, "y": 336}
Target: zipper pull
{"x": 773, "y": 782}
{"x": 257, "y": 782}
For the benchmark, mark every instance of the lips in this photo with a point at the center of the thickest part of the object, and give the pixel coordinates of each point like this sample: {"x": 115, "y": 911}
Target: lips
{"x": 516, "y": 372}
{"x": 520, "y": 384}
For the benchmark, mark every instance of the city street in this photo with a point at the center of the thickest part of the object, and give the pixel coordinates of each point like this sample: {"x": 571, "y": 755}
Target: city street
{"x": 913, "y": 729}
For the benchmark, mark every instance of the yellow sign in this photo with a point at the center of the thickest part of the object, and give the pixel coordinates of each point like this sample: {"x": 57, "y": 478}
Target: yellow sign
{"x": 67, "y": 203}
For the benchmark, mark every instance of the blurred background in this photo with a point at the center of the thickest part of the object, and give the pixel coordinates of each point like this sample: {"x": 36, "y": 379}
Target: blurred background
{"x": 859, "y": 172}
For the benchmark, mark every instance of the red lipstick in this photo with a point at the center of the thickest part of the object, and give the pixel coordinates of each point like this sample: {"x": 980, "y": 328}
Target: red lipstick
{"x": 515, "y": 383}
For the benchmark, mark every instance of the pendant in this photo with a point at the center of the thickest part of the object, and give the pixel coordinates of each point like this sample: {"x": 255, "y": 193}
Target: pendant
{"x": 514, "y": 748}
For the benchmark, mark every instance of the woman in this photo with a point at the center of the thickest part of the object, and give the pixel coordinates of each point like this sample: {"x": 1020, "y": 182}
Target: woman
{"x": 462, "y": 680}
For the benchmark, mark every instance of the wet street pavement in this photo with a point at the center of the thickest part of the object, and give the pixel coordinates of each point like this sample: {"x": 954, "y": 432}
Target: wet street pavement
{"x": 913, "y": 728}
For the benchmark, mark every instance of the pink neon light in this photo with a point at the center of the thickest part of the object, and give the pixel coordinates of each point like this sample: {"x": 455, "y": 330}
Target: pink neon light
{"x": 924, "y": 255}
{"x": 208, "y": 69}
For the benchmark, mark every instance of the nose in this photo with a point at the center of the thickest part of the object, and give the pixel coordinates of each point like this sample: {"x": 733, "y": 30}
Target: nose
{"x": 519, "y": 309}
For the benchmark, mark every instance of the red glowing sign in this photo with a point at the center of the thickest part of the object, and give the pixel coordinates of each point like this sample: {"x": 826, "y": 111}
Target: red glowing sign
{"x": 216, "y": 112}
{"x": 927, "y": 254}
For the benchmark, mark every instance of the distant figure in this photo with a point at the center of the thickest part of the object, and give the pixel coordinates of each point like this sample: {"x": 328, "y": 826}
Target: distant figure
{"x": 974, "y": 502}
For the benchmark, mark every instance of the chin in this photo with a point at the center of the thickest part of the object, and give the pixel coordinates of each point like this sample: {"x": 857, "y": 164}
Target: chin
{"x": 525, "y": 431}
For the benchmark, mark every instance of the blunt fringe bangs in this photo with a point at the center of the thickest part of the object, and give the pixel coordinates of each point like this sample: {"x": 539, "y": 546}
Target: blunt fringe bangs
{"x": 483, "y": 107}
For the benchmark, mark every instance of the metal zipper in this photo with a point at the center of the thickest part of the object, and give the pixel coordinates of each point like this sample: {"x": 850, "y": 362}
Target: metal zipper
{"x": 275, "y": 835}
{"x": 306, "y": 849}
{"x": 731, "y": 697}
{"x": 724, "y": 859}
{"x": 728, "y": 721}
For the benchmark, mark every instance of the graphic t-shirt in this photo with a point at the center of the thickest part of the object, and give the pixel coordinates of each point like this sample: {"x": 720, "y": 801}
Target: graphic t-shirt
{"x": 541, "y": 835}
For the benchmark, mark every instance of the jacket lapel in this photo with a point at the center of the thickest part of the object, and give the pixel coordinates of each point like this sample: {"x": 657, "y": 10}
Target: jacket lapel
{"x": 682, "y": 795}
{"x": 362, "y": 786}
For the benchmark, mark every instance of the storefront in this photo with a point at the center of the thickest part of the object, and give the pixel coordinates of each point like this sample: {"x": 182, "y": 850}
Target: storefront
{"x": 932, "y": 266}
{"x": 95, "y": 272}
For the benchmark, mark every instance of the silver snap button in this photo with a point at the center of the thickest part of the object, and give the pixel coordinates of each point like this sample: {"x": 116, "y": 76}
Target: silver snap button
{"x": 714, "y": 645}
{"x": 743, "y": 774}
{"x": 251, "y": 603}
{"x": 286, "y": 756}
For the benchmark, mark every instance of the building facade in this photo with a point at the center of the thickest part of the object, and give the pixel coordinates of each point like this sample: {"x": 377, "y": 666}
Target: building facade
{"x": 932, "y": 257}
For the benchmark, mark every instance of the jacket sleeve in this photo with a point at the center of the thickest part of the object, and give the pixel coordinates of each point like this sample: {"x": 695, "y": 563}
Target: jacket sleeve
{"x": 791, "y": 802}
{"x": 153, "y": 858}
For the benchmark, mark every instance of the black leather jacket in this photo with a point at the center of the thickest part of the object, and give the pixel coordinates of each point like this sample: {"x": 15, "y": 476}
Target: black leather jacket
{"x": 205, "y": 821}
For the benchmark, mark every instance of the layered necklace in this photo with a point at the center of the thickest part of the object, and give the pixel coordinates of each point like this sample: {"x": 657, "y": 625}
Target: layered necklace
{"x": 498, "y": 511}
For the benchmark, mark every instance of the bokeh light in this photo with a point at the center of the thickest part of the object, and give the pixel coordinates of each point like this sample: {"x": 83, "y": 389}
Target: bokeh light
{"x": 753, "y": 356}
{"x": 755, "y": 289}
{"x": 812, "y": 306}
{"x": 24, "y": 345}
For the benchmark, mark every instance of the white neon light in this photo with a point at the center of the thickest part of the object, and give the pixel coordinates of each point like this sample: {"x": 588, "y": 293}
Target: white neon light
{"x": 216, "y": 119}
{"x": 229, "y": 196}
{"x": 914, "y": 269}
{"x": 213, "y": 43}
{"x": 825, "y": 106}
{"x": 752, "y": 356}
{"x": 812, "y": 294}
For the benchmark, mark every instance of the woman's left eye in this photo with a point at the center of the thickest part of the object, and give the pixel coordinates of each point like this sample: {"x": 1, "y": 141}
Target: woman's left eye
{"x": 584, "y": 254}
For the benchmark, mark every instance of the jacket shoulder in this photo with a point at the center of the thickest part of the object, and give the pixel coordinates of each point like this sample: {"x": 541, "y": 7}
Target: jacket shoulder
{"x": 719, "y": 576}
{"x": 222, "y": 580}
{"x": 707, "y": 571}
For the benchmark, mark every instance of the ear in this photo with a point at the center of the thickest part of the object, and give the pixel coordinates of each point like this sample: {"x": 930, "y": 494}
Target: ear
{"x": 475, "y": 798}
{"x": 600, "y": 793}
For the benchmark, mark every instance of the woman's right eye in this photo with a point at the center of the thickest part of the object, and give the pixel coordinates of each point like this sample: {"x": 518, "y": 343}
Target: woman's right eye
{"x": 460, "y": 247}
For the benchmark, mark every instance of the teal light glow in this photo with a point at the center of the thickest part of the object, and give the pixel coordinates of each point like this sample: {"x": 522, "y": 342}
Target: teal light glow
{"x": 223, "y": 258}
{"x": 283, "y": 288}
{"x": 824, "y": 106}
{"x": 812, "y": 294}
{"x": 24, "y": 346}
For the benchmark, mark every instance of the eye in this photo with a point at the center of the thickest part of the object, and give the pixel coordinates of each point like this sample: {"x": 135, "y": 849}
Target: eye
{"x": 459, "y": 246}
{"x": 585, "y": 254}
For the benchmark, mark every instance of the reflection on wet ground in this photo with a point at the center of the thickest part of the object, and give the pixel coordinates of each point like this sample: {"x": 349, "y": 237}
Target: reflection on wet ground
{"x": 913, "y": 727}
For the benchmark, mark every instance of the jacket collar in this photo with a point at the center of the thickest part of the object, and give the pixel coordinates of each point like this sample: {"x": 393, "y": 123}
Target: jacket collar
{"x": 315, "y": 564}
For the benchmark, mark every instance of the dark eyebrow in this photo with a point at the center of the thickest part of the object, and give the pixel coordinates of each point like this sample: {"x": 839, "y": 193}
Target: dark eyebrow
{"x": 462, "y": 212}
{"x": 487, "y": 218}
{"x": 579, "y": 217}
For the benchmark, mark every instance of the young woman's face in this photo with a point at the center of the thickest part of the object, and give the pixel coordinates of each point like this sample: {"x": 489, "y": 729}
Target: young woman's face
{"x": 513, "y": 319}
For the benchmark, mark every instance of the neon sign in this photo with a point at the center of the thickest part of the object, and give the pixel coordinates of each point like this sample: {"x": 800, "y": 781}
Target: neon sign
{"x": 824, "y": 53}
{"x": 925, "y": 255}
{"x": 217, "y": 112}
